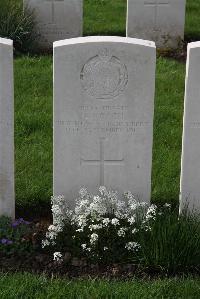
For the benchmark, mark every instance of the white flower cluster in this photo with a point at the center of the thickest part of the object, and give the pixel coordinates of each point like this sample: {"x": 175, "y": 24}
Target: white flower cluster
{"x": 151, "y": 213}
{"x": 57, "y": 256}
{"x": 134, "y": 246}
{"x": 60, "y": 213}
{"x": 51, "y": 235}
{"x": 60, "y": 210}
{"x": 94, "y": 238}
{"x": 149, "y": 217}
{"x": 122, "y": 232}
{"x": 94, "y": 213}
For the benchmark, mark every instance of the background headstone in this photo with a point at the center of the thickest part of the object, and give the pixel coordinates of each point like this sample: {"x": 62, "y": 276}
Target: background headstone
{"x": 162, "y": 21}
{"x": 190, "y": 173}
{"x": 7, "y": 197}
{"x": 56, "y": 20}
{"x": 103, "y": 115}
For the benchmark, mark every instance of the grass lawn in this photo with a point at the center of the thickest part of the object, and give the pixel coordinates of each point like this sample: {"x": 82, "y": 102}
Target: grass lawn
{"x": 25, "y": 286}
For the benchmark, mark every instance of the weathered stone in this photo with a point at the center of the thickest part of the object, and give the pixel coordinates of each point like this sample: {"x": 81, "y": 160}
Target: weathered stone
{"x": 103, "y": 115}
{"x": 190, "y": 172}
{"x": 7, "y": 197}
{"x": 56, "y": 20}
{"x": 162, "y": 21}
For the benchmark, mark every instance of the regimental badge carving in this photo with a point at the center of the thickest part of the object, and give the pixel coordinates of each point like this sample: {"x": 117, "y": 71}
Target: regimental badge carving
{"x": 104, "y": 76}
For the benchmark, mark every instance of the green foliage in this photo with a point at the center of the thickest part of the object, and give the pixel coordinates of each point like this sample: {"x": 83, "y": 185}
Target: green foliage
{"x": 17, "y": 24}
{"x": 172, "y": 245}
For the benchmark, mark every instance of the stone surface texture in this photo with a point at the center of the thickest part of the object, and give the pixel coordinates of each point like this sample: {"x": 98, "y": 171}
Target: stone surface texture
{"x": 56, "y": 20}
{"x": 103, "y": 115}
{"x": 190, "y": 165}
{"x": 161, "y": 21}
{"x": 7, "y": 197}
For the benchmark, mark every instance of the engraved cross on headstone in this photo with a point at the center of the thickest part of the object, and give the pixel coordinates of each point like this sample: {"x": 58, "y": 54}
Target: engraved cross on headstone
{"x": 53, "y": 2}
{"x": 102, "y": 161}
{"x": 156, "y": 4}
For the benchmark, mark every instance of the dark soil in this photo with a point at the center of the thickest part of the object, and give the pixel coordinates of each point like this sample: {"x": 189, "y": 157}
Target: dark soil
{"x": 42, "y": 263}
{"x": 178, "y": 54}
{"x": 77, "y": 268}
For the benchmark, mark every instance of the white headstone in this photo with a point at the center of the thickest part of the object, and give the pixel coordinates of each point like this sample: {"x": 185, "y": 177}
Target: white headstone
{"x": 162, "y": 21}
{"x": 56, "y": 20}
{"x": 103, "y": 115}
{"x": 7, "y": 198}
{"x": 190, "y": 172}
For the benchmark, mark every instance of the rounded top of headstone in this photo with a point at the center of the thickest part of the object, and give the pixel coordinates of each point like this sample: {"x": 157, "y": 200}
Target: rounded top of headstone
{"x": 194, "y": 45}
{"x": 96, "y": 39}
{"x": 5, "y": 41}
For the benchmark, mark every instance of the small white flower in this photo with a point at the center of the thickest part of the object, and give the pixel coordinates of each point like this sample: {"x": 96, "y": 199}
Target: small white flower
{"x": 147, "y": 228}
{"x": 84, "y": 246}
{"x": 135, "y": 230}
{"x": 57, "y": 256}
{"x": 51, "y": 228}
{"x": 121, "y": 232}
{"x": 151, "y": 213}
{"x": 132, "y": 246}
{"x": 131, "y": 220}
{"x": 102, "y": 190}
{"x": 143, "y": 204}
{"x": 105, "y": 248}
{"x": 83, "y": 192}
{"x": 79, "y": 230}
{"x": 55, "y": 228}
{"x": 95, "y": 227}
{"x": 94, "y": 237}
{"x": 133, "y": 206}
{"x": 81, "y": 221}
{"x": 45, "y": 243}
{"x": 88, "y": 249}
{"x": 115, "y": 221}
{"x": 167, "y": 205}
{"x": 129, "y": 195}
{"x": 106, "y": 221}
{"x": 51, "y": 235}
{"x": 96, "y": 198}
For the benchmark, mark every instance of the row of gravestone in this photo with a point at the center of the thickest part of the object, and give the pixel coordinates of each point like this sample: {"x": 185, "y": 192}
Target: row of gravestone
{"x": 103, "y": 119}
{"x": 161, "y": 21}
